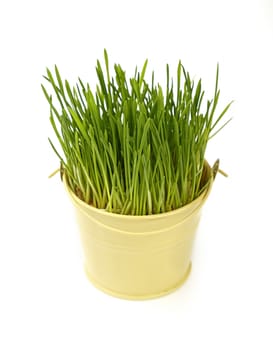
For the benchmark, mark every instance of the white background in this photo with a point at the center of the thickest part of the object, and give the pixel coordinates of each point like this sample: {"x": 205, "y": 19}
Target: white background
{"x": 46, "y": 301}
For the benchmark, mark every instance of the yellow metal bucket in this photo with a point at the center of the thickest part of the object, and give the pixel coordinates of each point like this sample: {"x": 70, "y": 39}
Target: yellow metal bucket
{"x": 138, "y": 257}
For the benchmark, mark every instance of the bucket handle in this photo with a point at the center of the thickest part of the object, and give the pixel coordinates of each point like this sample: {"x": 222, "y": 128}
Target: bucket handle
{"x": 215, "y": 169}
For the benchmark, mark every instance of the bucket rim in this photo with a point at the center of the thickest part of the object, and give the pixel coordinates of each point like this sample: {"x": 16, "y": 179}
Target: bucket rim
{"x": 80, "y": 203}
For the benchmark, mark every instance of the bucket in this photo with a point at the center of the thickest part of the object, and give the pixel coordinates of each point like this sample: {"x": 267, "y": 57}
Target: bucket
{"x": 138, "y": 257}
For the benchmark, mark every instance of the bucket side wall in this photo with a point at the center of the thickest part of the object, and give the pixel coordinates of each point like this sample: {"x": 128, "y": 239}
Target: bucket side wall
{"x": 137, "y": 265}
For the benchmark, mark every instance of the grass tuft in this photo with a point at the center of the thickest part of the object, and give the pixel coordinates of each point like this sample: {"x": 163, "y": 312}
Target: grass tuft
{"x": 128, "y": 147}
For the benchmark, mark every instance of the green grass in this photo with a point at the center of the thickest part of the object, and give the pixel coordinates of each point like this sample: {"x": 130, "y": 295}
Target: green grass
{"x": 131, "y": 147}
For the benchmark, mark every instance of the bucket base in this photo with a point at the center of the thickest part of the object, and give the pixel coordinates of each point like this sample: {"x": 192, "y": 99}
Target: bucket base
{"x": 137, "y": 297}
